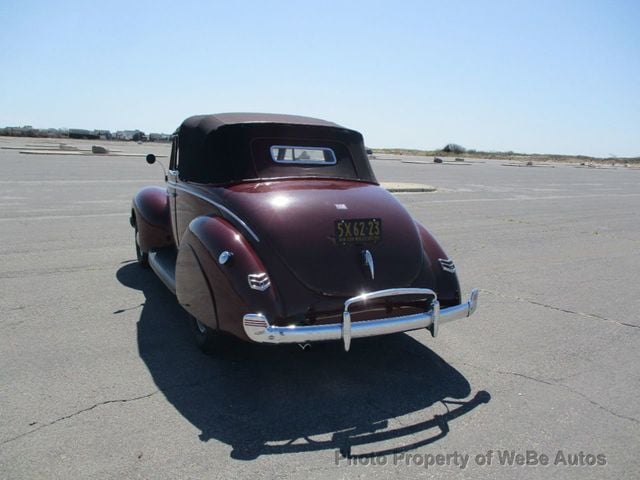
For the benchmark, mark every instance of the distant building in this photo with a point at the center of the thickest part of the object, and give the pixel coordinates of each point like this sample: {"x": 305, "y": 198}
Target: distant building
{"x": 79, "y": 133}
{"x": 103, "y": 134}
{"x": 26, "y": 131}
{"x": 82, "y": 133}
{"x": 51, "y": 133}
{"x": 159, "y": 137}
{"x": 135, "y": 135}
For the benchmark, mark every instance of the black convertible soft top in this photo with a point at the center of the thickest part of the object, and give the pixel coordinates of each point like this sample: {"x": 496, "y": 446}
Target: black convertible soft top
{"x": 233, "y": 147}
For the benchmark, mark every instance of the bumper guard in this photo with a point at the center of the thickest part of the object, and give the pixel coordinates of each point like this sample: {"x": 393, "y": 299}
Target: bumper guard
{"x": 258, "y": 329}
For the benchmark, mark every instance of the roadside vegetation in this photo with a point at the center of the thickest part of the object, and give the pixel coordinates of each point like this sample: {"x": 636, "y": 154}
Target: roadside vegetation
{"x": 455, "y": 150}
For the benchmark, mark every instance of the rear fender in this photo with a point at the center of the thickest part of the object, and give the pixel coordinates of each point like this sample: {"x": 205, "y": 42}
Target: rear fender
{"x": 151, "y": 214}
{"x": 446, "y": 283}
{"x": 217, "y": 294}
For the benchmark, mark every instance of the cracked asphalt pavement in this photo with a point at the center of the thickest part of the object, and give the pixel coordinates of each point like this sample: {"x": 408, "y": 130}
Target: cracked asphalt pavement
{"x": 99, "y": 376}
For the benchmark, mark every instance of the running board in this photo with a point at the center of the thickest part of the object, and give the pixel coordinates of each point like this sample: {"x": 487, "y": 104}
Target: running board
{"x": 163, "y": 262}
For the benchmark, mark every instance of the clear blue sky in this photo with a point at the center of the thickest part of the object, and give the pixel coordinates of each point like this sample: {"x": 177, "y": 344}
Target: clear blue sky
{"x": 538, "y": 76}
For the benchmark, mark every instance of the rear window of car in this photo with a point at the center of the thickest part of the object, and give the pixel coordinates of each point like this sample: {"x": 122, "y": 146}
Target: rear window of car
{"x": 306, "y": 155}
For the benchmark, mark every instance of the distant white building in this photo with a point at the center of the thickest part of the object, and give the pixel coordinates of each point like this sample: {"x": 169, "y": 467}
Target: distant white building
{"x": 130, "y": 135}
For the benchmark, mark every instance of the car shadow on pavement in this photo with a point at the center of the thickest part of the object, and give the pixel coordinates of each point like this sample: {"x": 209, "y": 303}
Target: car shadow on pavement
{"x": 264, "y": 400}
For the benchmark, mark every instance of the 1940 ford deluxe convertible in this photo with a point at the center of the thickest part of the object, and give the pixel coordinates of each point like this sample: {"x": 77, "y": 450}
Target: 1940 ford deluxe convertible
{"x": 273, "y": 228}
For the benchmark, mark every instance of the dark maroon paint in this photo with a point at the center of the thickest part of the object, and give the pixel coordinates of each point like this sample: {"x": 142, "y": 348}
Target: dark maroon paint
{"x": 293, "y": 218}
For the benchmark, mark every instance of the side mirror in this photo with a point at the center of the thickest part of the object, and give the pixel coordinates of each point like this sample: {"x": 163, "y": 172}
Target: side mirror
{"x": 151, "y": 159}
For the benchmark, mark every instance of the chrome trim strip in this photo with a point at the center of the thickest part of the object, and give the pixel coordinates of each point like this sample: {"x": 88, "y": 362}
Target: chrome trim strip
{"x": 435, "y": 318}
{"x": 368, "y": 261}
{"x": 473, "y": 302}
{"x": 346, "y": 330}
{"x": 447, "y": 265}
{"x": 217, "y": 205}
{"x": 258, "y": 329}
{"x": 390, "y": 292}
{"x": 259, "y": 281}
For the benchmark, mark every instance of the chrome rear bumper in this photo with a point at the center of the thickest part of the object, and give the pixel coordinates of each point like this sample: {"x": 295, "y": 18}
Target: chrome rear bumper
{"x": 258, "y": 329}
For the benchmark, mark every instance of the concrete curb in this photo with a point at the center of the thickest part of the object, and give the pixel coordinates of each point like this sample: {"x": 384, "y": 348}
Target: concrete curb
{"x": 399, "y": 187}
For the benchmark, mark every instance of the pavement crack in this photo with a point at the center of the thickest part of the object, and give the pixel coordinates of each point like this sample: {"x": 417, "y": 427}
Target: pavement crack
{"x": 598, "y": 405}
{"x": 561, "y": 385}
{"x": 79, "y": 412}
{"x": 196, "y": 383}
{"x": 629, "y": 325}
{"x": 527, "y": 377}
{"x": 559, "y": 309}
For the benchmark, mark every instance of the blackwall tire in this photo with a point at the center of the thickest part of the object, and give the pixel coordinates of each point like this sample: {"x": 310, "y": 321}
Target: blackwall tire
{"x": 142, "y": 257}
{"x": 207, "y": 339}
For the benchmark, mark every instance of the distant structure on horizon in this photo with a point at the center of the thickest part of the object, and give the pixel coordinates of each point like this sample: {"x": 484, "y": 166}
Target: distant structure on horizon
{"x": 159, "y": 137}
{"x": 131, "y": 135}
{"x": 81, "y": 133}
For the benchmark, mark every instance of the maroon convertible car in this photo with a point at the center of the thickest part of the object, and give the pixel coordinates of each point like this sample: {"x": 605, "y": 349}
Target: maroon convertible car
{"x": 273, "y": 228}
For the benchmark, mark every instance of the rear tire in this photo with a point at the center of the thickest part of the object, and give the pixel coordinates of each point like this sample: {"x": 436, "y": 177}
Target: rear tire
{"x": 142, "y": 257}
{"x": 207, "y": 339}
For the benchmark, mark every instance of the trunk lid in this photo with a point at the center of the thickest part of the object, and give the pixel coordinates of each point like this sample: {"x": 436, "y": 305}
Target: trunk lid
{"x": 297, "y": 220}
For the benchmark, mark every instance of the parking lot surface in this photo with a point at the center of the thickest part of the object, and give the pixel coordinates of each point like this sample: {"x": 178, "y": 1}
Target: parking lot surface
{"x": 99, "y": 376}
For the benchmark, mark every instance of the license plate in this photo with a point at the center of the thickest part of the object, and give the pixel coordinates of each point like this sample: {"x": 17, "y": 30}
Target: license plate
{"x": 358, "y": 230}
